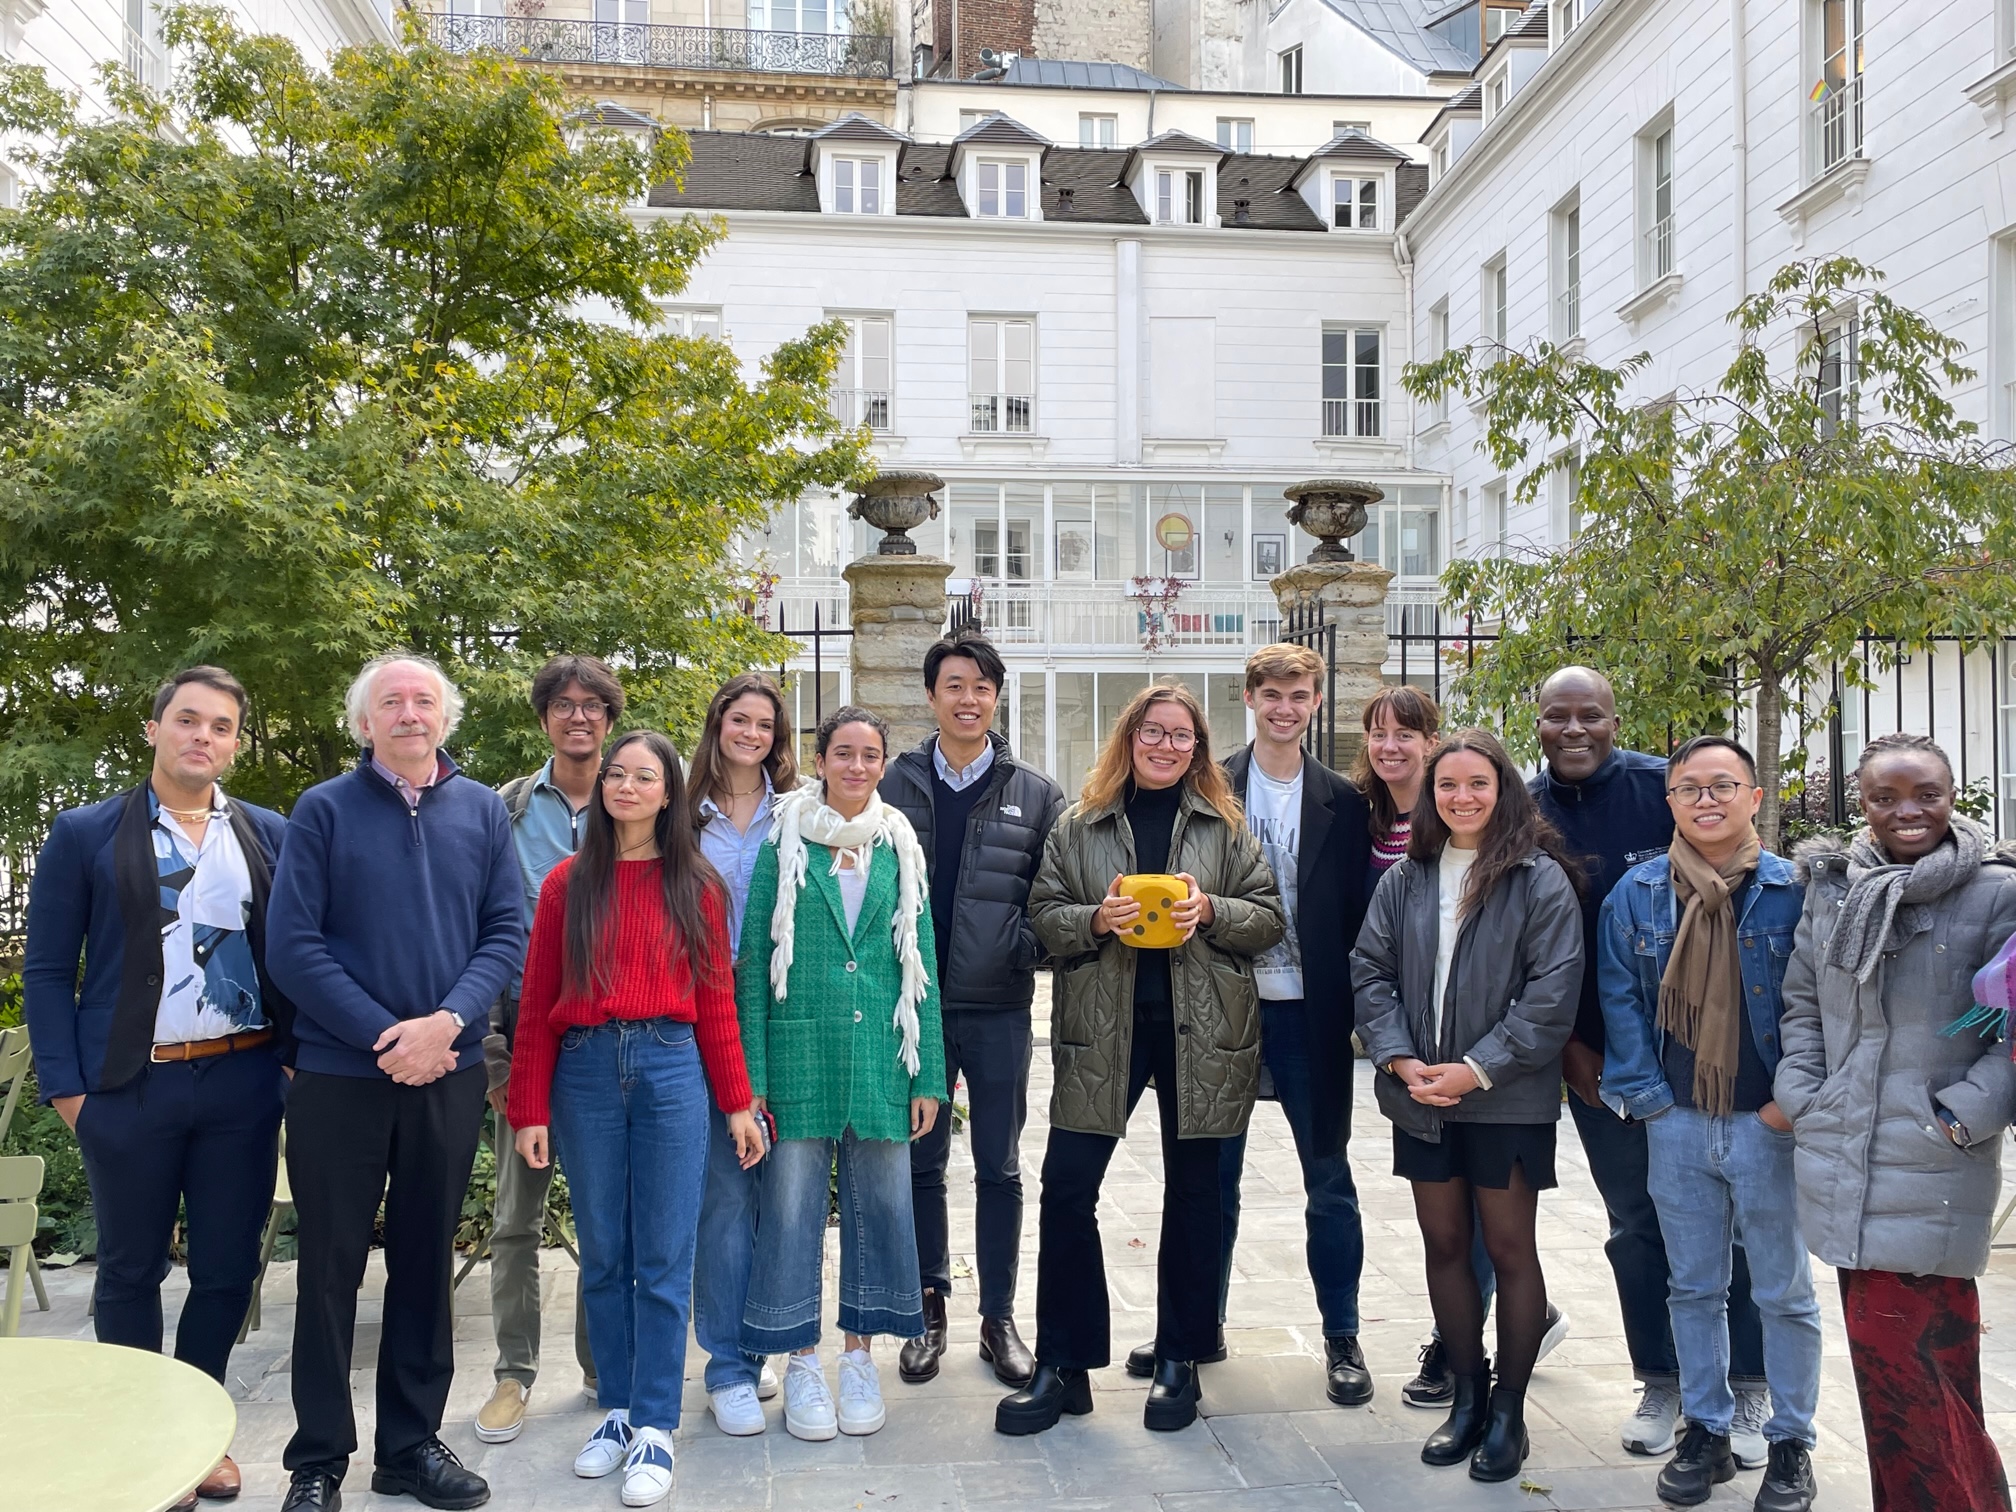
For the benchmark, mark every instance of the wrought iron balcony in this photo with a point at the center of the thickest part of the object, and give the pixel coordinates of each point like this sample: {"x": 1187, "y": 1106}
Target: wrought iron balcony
{"x": 539, "y": 39}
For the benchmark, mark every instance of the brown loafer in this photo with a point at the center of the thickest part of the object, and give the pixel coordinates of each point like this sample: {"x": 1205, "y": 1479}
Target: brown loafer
{"x": 221, "y": 1484}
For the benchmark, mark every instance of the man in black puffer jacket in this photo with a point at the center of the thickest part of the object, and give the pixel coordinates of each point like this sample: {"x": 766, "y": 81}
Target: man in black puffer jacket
{"x": 982, "y": 818}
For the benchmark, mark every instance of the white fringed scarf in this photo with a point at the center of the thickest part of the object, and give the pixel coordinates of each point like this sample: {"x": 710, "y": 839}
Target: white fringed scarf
{"x": 803, "y": 815}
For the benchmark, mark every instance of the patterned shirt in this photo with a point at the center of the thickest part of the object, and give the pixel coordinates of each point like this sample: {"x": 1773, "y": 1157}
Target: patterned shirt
{"x": 1390, "y": 851}
{"x": 209, "y": 986}
{"x": 406, "y": 789}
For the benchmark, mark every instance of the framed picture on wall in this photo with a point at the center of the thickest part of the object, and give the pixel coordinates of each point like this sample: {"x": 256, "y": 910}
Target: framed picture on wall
{"x": 1074, "y": 552}
{"x": 1270, "y": 556}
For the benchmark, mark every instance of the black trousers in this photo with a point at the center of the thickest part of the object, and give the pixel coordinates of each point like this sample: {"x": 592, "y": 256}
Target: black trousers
{"x": 202, "y": 1135}
{"x": 991, "y": 1047}
{"x": 351, "y": 1139}
{"x": 1073, "y": 1312}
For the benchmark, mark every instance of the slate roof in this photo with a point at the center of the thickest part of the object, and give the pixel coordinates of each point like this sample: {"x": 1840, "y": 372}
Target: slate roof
{"x": 1401, "y": 26}
{"x": 1068, "y": 74}
{"x": 733, "y": 170}
{"x": 1352, "y": 146}
{"x": 1084, "y": 184}
{"x": 855, "y": 127}
{"x": 609, "y": 113}
{"x": 1266, "y": 186}
{"x": 1468, "y": 101}
{"x": 996, "y": 129}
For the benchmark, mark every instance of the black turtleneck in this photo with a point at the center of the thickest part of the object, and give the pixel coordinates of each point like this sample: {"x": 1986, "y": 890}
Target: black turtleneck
{"x": 1151, "y": 815}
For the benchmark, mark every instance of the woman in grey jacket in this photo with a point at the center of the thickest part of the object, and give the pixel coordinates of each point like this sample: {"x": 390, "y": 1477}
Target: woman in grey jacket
{"x": 1467, "y": 975}
{"x": 1898, "y": 1103}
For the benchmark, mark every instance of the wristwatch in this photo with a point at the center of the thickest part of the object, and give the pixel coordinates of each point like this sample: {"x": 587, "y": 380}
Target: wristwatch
{"x": 1955, "y": 1130}
{"x": 460, "y": 1022}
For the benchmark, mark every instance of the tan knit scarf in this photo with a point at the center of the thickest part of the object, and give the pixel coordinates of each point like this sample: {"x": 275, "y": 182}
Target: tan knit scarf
{"x": 1701, "y": 994}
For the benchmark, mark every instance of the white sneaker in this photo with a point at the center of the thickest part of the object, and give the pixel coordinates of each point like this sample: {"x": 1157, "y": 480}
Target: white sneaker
{"x": 861, "y": 1409}
{"x": 606, "y": 1446}
{"x": 647, "y": 1469}
{"x": 766, "y": 1383}
{"x": 1557, "y": 1330}
{"x": 1746, "y": 1429}
{"x": 1650, "y": 1429}
{"x": 808, "y": 1405}
{"x": 736, "y": 1409}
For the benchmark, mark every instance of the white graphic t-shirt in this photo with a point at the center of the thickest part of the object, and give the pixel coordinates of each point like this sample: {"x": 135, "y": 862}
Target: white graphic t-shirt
{"x": 1274, "y": 814}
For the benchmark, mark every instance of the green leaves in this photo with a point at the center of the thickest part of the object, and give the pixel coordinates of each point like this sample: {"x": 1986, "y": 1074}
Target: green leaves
{"x": 353, "y": 360}
{"x": 1736, "y": 543}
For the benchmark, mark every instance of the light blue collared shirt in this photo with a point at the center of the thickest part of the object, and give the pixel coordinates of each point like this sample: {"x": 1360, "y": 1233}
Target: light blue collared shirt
{"x": 547, "y": 833}
{"x": 733, "y": 852}
{"x": 965, "y": 777}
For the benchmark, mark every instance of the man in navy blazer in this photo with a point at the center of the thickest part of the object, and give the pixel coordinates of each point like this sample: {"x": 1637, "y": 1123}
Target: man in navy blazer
{"x": 166, "y": 1059}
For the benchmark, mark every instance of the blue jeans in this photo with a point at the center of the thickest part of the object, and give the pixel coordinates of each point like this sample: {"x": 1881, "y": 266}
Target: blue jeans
{"x": 721, "y": 1269}
{"x": 1336, "y": 1242}
{"x": 1712, "y": 1178}
{"x": 879, "y": 1289}
{"x": 631, "y": 1109}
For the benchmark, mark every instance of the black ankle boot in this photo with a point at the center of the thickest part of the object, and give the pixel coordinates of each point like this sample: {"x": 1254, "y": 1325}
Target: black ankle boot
{"x": 1452, "y": 1442}
{"x": 918, "y": 1360}
{"x": 1050, "y": 1394}
{"x": 1504, "y": 1447}
{"x": 1172, "y": 1396}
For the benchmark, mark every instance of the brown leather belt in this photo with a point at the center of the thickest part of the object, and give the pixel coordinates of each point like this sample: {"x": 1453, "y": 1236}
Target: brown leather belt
{"x": 188, "y": 1050}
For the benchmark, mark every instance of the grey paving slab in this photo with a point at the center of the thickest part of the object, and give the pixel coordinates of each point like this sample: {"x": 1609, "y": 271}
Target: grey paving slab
{"x": 1266, "y": 1499}
{"x": 1267, "y": 1450}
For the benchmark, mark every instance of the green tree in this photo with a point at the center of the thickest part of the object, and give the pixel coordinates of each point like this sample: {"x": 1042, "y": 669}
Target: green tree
{"x": 1735, "y": 544}
{"x": 297, "y": 366}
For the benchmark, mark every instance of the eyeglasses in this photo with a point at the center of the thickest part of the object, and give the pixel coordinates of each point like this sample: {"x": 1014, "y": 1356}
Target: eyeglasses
{"x": 1155, "y": 734}
{"x": 1722, "y": 791}
{"x": 588, "y": 708}
{"x": 616, "y": 777}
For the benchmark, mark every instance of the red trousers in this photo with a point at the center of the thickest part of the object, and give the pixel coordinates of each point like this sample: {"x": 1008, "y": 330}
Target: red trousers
{"x": 1915, "y": 1342}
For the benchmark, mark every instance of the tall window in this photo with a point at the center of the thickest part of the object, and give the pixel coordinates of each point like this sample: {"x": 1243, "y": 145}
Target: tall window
{"x": 1354, "y": 202}
{"x": 693, "y": 323}
{"x": 1836, "y": 381}
{"x": 1495, "y": 300}
{"x": 146, "y": 59}
{"x": 1179, "y": 197}
{"x": 1438, "y": 160}
{"x": 798, "y": 15}
{"x": 1098, "y": 130}
{"x": 1567, "y": 261}
{"x": 1291, "y": 71}
{"x": 988, "y": 559}
{"x": 1497, "y": 91}
{"x": 1655, "y": 203}
{"x": 1497, "y": 18}
{"x": 1567, "y": 483}
{"x": 857, "y": 186}
{"x": 1493, "y": 499}
{"x": 1835, "y": 102}
{"x": 1235, "y": 134}
{"x": 1002, "y": 385}
{"x": 1351, "y": 381}
{"x": 1004, "y": 190}
{"x": 622, "y": 12}
{"x": 862, "y": 386}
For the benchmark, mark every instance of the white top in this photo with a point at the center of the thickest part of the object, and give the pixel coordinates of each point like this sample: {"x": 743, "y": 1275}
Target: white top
{"x": 853, "y": 882}
{"x": 1453, "y": 872}
{"x": 1274, "y": 814}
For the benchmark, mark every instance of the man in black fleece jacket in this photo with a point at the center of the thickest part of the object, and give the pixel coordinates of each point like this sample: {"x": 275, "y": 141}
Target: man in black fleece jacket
{"x": 1610, "y": 807}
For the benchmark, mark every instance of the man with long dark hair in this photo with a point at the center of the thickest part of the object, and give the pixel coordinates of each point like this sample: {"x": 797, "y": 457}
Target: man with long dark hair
{"x": 981, "y": 818}
{"x": 578, "y": 701}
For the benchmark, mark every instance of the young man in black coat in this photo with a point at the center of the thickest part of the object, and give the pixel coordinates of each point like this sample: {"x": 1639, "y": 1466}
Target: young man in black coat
{"x": 982, "y": 819}
{"x": 1316, "y": 831}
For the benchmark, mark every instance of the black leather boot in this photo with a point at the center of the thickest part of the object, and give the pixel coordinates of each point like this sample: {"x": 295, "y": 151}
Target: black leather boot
{"x": 1504, "y": 1447}
{"x": 1348, "y": 1383}
{"x": 1002, "y": 1347}
{"x": 1050, "y": 1394}
{"x": 1172, "y": 1396}
{"x": 918, "y": 1361}
{"x": 1141, "y": 1358}
{"x": 1452, "y": 1442}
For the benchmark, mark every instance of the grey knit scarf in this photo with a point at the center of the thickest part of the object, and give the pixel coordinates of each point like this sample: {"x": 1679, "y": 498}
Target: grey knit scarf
{"x": 1886, "y": 896}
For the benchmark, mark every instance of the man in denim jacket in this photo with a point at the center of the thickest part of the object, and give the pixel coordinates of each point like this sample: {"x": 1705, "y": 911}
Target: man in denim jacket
{"x": 1691, "y": 951}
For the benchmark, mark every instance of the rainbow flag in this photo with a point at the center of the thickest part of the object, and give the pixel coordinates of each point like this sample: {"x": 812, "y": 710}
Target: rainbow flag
{"x": 1820, "y": 92}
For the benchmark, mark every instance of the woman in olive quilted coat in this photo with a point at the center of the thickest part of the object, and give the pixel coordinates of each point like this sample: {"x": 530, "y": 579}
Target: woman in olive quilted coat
{"x": 1156, "y": 801}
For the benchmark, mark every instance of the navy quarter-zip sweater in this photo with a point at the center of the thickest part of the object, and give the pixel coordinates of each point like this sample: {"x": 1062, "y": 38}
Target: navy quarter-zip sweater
{"x": 1614, "y": 819}
{"x": 382, "y": 913}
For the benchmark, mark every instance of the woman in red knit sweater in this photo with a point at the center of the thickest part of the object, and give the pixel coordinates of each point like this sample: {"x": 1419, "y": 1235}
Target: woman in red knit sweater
{"x": 629, "y": 993}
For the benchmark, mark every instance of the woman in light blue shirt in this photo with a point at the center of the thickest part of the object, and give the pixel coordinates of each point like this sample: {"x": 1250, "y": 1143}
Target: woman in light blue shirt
{"x": 743, "y": 761}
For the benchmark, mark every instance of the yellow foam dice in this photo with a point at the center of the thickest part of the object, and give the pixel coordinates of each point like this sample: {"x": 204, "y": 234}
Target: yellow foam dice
{"x": 1157, "y": 893}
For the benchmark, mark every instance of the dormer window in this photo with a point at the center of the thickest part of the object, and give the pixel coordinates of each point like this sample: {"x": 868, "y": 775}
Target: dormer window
{"x": 1003, "y": 190}
{"x": 1354, "y": 203}
{"x": 1179, "y": 196}
{"x": 1497, "y": 92}
{"x": 857, "y": 186}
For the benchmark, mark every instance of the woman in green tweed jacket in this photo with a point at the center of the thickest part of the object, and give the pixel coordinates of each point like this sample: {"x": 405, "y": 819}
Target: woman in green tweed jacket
{"x": 841, "y": 1033}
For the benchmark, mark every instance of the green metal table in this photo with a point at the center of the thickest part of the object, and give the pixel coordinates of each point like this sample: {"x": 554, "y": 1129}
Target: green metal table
{"x": 96, "y": 1428}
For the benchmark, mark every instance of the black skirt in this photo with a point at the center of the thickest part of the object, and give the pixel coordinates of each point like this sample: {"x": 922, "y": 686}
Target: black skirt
{"x": 1482, "y": 1154}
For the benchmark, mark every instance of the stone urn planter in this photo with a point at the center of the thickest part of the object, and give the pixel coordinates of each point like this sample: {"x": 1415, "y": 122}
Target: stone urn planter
{"x": 897, "y": 503}
{"x": 1333, "y": 510}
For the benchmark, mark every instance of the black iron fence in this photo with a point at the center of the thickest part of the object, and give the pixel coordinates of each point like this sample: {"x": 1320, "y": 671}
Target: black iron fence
{"x": 813, "y": 636}
{"x": 1308, "y": 625}
{"x": 540, "y": 39}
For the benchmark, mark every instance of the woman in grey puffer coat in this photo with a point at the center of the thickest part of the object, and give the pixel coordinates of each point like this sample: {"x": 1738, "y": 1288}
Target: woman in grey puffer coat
{"x": 1898, "y": 1104}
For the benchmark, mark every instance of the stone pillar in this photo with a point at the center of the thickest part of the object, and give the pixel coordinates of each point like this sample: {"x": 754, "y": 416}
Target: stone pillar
{"x": 897, "y": 607}
{"x": 1353, "y": 599}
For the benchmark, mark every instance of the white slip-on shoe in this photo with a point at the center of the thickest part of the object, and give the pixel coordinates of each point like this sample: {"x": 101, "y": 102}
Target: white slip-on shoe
{"x": 647, "y": 1469}
{"x": 736, "y": 1410}
{"x": 766, "y": 1383}
{"x": 861, "y": 1409}
{"x": 1746, "y": 1429}
{"x": 808, "y": 1405}
{"x": 606, "y": 1446}
{"x": 1652, "y": 1426}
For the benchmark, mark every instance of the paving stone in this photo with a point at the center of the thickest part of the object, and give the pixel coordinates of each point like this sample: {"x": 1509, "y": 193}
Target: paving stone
{"x": 1267, "y": 1450}
{"x": 1094, "y": 1455}
{"x": 1268, "y": 1499}
{"x": 869, "y": 1488}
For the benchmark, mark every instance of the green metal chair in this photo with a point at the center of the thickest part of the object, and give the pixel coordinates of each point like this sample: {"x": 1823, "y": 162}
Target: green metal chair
{"x": 283, "y": 1204}
{"x": 20, "y": 1184}
{"x": 15, "y": 1059}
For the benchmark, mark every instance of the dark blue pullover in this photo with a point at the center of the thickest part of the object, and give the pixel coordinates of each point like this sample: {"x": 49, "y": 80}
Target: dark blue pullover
{"x": 1613, "y": 819}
